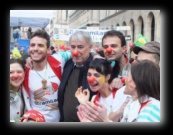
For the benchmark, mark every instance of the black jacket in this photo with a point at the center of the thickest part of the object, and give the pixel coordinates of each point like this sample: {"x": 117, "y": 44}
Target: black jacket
{"x": 81, "y": 82}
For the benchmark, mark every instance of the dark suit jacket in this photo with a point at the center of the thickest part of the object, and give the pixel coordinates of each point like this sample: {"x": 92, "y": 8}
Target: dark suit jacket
{"x": 81, "y": 82}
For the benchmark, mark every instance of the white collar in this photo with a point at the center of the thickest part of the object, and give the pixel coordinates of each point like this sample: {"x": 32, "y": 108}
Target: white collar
{"x": 77, "y": 65}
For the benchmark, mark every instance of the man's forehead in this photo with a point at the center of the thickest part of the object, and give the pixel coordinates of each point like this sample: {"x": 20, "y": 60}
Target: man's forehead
{"x": 145, "y": 56}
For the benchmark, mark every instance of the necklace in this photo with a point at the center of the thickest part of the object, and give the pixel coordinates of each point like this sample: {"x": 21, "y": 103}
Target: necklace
{"x": 44, "y": 81}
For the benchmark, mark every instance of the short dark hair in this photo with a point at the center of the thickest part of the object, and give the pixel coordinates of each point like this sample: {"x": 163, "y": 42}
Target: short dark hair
{"x": 16, "y": 44}
{"x": 43, "y": 34}
{"x": 52, "y": 48}
{"x": 102, "y": 66}
{"x": 116, "y": 33}
{"x": 20, "y": 61}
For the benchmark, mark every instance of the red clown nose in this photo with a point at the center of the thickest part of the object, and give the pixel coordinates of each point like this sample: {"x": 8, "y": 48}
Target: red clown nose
{"x": 123, "y": 80}
{"x": 131, "y": 44}
{"x": 75, "y": 54}
{"x": 108, "y": 50}
{"x": 91, "y": 79}
{"x": 15, "y": 76}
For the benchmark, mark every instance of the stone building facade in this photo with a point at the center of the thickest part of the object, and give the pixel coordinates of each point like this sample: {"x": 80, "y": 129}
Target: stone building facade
{"x": 145, "y": 22}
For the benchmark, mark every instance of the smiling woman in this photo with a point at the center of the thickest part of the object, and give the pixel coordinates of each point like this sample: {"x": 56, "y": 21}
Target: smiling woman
{"x": 17, "y": 75}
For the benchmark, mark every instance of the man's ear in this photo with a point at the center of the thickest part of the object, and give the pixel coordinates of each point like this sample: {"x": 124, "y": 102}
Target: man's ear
{"x": 90, "y": 46}
{"x": 124, "y": 49}
{"x": 48, "y": 50}
{"x": 108, "y": 77}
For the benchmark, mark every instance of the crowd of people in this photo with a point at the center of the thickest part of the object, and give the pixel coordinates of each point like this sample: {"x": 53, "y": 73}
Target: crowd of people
{"x": 79, "y": 85}
{"x": 16, "y": 53}
{"x": 22, "y": 53}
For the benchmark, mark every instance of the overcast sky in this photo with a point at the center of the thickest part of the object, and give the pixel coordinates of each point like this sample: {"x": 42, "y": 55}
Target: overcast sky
{"x": 31, "y": 13}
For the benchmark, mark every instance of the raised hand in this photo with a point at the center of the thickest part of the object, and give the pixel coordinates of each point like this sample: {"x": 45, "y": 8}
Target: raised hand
{"x": 116, "y": 83}
{"x": 116, "y": 116}
{"x": 29, "y": 63}
{"x": 82, "y": 96}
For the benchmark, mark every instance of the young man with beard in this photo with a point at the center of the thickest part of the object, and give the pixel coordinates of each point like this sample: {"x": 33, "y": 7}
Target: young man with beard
{"x": 41, "y": 83}
{"x": 75, "y": 75}
{"x": 114, "y": 49}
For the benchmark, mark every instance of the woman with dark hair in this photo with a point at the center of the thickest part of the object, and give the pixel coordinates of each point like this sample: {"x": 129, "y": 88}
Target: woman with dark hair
{"x": 99, "y": 78}
{"x": 143, "y": 84}
{"x": 17, "y": 75}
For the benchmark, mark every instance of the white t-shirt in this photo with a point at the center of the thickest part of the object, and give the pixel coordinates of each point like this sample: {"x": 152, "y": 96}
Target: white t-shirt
{"x": 113, "y": 104}
{"x": 45, "y": 100}
{"x": 148, "y": 113}
{"x": 131, "y": 111}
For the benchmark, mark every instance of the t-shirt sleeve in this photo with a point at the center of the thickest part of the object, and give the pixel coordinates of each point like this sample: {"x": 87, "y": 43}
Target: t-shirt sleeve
{"x": 63, "y": 57}
{"x": 150, "y": 113}
{"x": 66, "y": 55}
